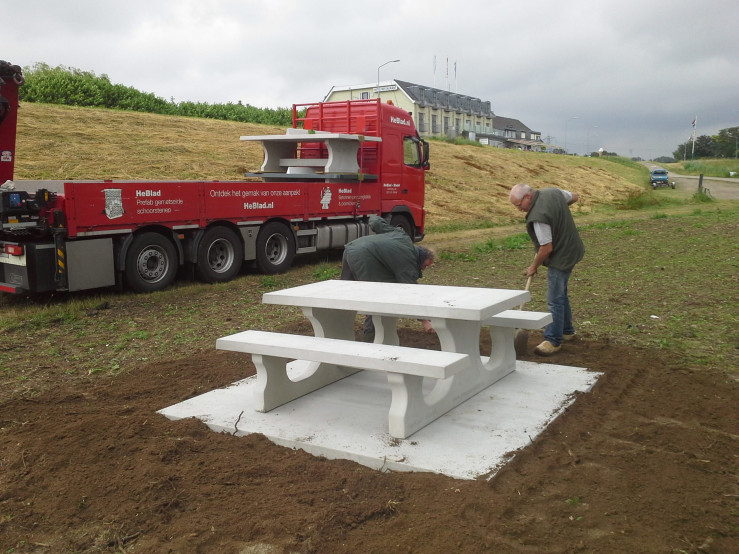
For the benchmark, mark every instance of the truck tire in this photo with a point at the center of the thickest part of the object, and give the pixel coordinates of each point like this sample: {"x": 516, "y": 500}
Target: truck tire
{"x": 151, "y": 263}
{"x": 219, "y": 255}
{"x": 275, "y": 248}
{"x": 401, "y": 222}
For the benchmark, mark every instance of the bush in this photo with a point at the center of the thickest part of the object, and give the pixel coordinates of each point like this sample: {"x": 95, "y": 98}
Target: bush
{"x": 74, "y": 87}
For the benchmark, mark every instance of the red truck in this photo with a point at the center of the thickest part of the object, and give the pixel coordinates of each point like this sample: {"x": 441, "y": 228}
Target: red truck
{"x": 339, "y": 163}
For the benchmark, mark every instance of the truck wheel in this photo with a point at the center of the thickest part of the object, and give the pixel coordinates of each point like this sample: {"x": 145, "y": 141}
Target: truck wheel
{"x": 151, "y": 263}
{"x": 275, "y": 248}
{"x": 401, "y": 222}
{"x": 219, "y": 255}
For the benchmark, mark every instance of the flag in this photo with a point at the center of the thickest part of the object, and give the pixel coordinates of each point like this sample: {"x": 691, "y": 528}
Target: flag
{"x": 694, "y": 120}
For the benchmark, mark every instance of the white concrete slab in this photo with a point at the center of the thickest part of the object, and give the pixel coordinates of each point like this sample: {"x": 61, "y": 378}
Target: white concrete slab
{"x": 348, "y": 420}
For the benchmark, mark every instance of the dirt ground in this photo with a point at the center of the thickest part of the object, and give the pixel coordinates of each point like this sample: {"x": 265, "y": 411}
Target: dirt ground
{"x": 645, "y": 462}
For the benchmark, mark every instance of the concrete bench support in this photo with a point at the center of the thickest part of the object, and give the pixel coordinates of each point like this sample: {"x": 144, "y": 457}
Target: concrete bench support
{"x": 334, "y": 359}
{"x": 503, "y": 330}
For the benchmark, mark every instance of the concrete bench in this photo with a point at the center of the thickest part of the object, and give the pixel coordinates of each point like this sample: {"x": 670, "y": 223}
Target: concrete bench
{"x": 303, "y": 162}
{"x": 334, "y": 359}
{"x": 520, "y": 319}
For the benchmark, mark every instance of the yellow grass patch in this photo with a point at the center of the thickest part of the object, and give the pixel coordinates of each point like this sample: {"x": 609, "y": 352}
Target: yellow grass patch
{"x": 464, "y": 183}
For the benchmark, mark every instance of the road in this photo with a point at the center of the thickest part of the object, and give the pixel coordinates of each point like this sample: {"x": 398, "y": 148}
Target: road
{"x": 721, "y": 188}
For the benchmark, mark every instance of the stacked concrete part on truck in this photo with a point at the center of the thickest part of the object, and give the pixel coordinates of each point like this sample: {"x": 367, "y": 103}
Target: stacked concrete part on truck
{"x": 339, "y": 163}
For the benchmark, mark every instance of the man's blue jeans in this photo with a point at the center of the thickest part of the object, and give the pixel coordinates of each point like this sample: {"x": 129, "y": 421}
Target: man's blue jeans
{"x": 559, "y": 306}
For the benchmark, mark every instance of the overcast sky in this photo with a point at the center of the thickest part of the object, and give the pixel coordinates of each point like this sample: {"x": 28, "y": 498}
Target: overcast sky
{"x": 628, "y": 76}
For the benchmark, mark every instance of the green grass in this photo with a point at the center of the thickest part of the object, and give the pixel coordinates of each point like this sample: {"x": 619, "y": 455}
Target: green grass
{"x": 649, "y": 199}
{"x": 513, "y": 242}
{"x": 664, "y": 281}
{"x": 708, "y": 167}
{"x": 465, "y": 225}
{"x": 627, "y": 162}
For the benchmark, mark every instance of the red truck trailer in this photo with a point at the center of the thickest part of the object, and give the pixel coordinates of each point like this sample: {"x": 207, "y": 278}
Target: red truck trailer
{"x": 339, "y": 163}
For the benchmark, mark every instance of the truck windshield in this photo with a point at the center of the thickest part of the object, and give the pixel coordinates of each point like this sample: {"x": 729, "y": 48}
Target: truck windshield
{"x": 411, "y": 153}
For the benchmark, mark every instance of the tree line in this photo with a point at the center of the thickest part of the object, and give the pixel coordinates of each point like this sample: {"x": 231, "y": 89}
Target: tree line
{"x": 74, "y": 87}
{"x": 723, "y": 145}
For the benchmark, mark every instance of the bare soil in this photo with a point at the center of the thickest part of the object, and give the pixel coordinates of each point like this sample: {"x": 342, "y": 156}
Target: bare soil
{"x": 645, "y": 462}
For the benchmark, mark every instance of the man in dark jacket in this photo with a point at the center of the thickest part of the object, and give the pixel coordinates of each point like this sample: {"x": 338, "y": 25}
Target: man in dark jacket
{"x": 558, "y": 246}
{"x": 388, "y": 256}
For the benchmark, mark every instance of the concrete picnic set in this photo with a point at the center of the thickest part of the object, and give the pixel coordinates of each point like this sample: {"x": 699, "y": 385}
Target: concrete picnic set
{"x": 425, "y": 384}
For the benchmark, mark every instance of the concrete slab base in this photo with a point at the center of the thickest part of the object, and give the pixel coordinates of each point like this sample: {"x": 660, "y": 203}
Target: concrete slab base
{"x": 348, "y": 420}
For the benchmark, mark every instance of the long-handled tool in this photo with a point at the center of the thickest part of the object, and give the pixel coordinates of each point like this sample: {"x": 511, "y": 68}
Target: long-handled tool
{"x": 521, "y": 339}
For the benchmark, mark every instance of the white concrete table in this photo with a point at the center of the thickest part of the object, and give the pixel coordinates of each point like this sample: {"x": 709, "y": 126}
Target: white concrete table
{"x": 456, "y": 313}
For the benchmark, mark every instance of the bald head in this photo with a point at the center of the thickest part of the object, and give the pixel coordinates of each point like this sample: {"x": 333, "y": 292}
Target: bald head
{"x": 518, "y": 192}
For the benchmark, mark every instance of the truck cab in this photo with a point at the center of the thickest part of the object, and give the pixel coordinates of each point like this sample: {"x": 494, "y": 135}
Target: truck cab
{"x": 397, "y": 163}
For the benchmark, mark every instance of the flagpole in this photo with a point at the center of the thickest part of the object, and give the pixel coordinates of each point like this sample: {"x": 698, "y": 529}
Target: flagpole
{"x": 692, "y": 154}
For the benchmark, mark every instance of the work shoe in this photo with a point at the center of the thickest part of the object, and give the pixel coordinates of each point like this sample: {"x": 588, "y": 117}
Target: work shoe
{"x": 568, "y": 336}
{"x": 546, "y": 348}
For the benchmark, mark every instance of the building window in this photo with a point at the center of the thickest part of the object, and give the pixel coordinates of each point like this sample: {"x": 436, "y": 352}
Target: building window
{"x": 365, "y": 96}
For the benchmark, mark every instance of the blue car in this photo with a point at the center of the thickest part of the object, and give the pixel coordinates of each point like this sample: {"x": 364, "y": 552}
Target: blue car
{"x": 658, "y": 178}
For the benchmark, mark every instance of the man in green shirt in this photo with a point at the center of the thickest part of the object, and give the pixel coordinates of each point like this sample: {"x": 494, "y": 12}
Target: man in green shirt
{"x": 559, "y": 247}
{"x": 388, "y": 256}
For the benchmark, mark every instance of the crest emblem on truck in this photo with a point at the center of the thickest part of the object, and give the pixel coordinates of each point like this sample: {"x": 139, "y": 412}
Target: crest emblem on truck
{"x": 113, "y": 203}
{"x": 325, "y": 198}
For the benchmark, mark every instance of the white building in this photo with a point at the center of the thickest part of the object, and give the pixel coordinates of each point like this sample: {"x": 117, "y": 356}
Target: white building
{"x": 440, "y": 113}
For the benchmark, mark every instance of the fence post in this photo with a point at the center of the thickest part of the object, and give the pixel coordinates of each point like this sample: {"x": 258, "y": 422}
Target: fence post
{"x": 700, "y": 184}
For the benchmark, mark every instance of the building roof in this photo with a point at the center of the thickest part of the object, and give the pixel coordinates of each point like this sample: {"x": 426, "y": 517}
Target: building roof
{"x": 429, "y": 96}
{"x": 510, "y": 123}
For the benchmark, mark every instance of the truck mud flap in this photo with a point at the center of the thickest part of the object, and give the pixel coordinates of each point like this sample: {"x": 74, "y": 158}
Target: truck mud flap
{"x": 32, "y": 272}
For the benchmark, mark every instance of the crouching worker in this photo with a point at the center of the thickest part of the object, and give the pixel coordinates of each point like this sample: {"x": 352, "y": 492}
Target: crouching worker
{"x": 388, "y": 256}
